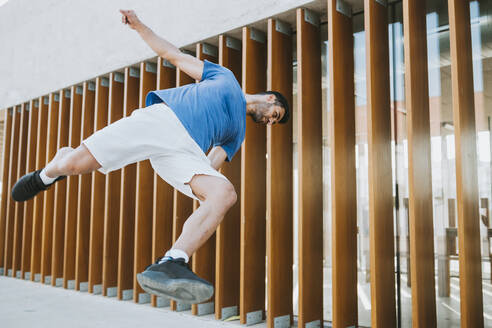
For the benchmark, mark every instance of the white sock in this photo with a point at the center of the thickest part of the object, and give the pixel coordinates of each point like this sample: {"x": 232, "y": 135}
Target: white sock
{"x": 177, "y": 253}
{"x": 46, "y": 179}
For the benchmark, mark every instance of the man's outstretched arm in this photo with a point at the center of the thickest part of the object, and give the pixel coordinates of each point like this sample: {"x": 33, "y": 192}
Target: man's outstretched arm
{"x": 189, "y": 64}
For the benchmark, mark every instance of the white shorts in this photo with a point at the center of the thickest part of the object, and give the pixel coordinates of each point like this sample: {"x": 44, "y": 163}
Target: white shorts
{"x": 153, "y": 133}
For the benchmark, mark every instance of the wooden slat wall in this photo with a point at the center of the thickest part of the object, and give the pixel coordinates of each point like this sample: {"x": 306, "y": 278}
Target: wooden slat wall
{"x": 60, "y": 194}
{"x": 98, "y": 188}
{"x": 253, "y": 182}
{"x": 19, "y": 206}
{"x": 7, "y": 139}
{"x": 228, "y": 233}
{"x": 279, "y": 179}
{"x": 162, "y": 230}
{"x": 144, "y": 195}
{"x": 182, "y": 205}
{"x": 342, "y": 127}
{"x": 383, "y": 305}
{"x": 310, "y": 196}
{"x": 9, "y": 225}
{"x": 69, "y": 254}
{"x": 49, "y": 198}
{"x": 419, "y": 165}
{"x": 84, "y": 194}
{"x": 37, "y": 225}
{"x": 127, "y": 196}
{"x": 112, "y": 195}
{"x": 29, "y": 205}
{"x": 203, "y": 262}
{"x": 471, "y": 297}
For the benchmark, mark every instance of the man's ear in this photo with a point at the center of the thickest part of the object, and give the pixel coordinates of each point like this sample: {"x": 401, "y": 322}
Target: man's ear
{"x": 271, "y": 98}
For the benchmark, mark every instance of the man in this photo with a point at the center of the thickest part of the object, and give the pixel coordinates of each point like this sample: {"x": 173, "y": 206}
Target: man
{"x": 174, "y": 131}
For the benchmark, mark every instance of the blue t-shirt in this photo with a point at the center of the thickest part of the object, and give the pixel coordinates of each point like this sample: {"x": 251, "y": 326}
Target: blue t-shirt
{"x": 213, "y": 111}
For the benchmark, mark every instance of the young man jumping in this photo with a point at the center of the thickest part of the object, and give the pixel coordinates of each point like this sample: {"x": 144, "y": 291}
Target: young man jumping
{"x": 174, "y": 132}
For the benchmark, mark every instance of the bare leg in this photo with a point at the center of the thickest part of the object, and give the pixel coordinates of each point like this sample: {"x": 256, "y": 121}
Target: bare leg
{"x": 69, "y": 161}
{"x": 217, "y": 197}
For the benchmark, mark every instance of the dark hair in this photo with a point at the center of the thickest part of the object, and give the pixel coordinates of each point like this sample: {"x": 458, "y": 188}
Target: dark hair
{"x": 281, "y": 101}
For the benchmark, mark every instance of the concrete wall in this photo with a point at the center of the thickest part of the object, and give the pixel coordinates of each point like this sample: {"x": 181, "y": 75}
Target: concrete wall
{"x": 50, "y": 44}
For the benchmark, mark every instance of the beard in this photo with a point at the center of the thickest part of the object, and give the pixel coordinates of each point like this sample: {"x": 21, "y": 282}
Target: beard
{"x": 259, "y": 115}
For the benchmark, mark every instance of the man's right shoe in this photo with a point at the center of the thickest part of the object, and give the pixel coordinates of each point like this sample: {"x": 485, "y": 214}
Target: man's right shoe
{"x": 29, "y": 186}
{"x": 173, "y": 278}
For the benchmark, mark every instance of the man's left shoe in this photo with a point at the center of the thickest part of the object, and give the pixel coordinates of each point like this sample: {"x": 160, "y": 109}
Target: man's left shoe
{"x": 173, "y": 278}
{"x": 29, "y": 185}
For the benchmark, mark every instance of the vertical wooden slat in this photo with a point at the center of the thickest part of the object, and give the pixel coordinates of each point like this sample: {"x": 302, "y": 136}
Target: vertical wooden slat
{"x": 421, "y": 228}
{"x": 253, "y": 182}
{"x": 37, "y": 226}
{"x": 69, "y": 254}
{"x": 112, "y": 194}
{"x": 84, "y": 193}
{"x": 97, "y": 194}
{"x": 182, "y": 205}
{"x": 19, "y": 206}
{"x": 127, "y": 196}
{"x": 203, "y": 262}
{"x": 342, "y": 126}
{"x": 7, "y": 140}
{"x": 228, "y": 232}
{"x": 309, "y": 152}
{"x": 383, "y": 308}
{"x": 144, "y": 195}
{"x": 29, "y": 205}
{"x": 9, "y": 225}
{"x": 471, "y": 297}
{"x": 49, "y": 198}
{"x": 60, "y": 194}
{"x": 162, "y": 231}
{"x": 279, "y": 179}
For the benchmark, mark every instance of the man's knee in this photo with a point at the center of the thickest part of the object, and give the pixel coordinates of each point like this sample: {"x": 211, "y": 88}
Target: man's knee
{"x": 225, "y": 194}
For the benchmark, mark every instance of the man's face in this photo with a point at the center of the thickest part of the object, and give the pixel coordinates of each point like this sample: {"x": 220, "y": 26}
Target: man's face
{"x": 268, "y": 113}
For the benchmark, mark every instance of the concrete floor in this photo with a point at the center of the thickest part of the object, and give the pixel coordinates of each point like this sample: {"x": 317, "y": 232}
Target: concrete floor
{"x": 28, "y": 304}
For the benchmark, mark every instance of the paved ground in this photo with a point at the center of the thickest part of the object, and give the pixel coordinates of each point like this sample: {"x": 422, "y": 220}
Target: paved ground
{"x": 28, "y": 304}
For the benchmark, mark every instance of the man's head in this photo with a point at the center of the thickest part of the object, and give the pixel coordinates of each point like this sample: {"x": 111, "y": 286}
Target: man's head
{"x": 270, "y": 107}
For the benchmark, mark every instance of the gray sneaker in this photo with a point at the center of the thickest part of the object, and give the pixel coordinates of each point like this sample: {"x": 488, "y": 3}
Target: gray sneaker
{"x": 174, "y": 279}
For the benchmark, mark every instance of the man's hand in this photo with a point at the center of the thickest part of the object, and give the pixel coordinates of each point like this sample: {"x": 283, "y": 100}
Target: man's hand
{"x": 129, "y": 17}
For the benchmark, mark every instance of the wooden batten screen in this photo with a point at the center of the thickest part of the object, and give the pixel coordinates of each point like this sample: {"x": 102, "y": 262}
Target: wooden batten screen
{"x": 279, "y": 197}
{"x": 467, "y": 196}
{"x": 419, "y": 166}
{"x": 228, "y": 232}
{"x": 126, "y": 239}
{"x": 343, "y": 187}
{"x": 310, "y": 197}
{"x": 203, "y": 261}
{"x": 383, "y": 312}
{"x": 162, "y": 216}
{"x": 182, "y": 205}
{"x": 69, "y": 254}
{"x": 19, "y": 206}
{"x": 84, "y": 194}
{"x": 97, "y": 194}
{"x": 144, "y": 195}
{"x": 60, "y": 194}
{"x": 253, "y": 186}
{"x": 37, "y": 219}
{"x": 7, "y": 139}
{"x": 49, "y": 199}
{"x": 112, "y": 195}
{"x": 28, "y": 206}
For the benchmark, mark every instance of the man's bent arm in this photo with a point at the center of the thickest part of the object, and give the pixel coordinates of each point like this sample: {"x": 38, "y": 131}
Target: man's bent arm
{"x": 165, "y": 49}
{"x": 217, "y": 156}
